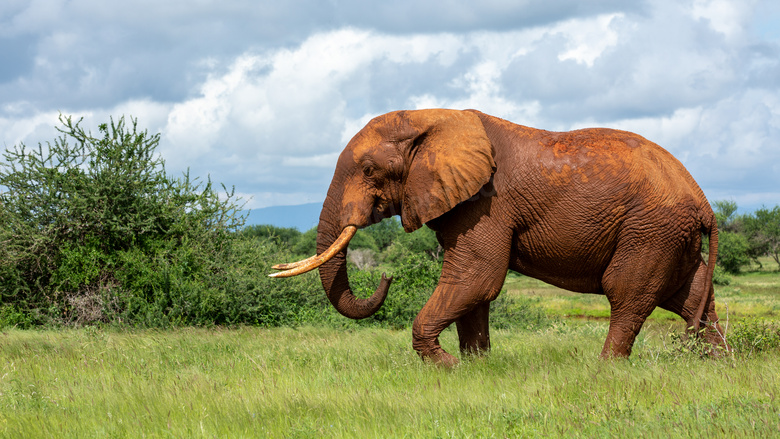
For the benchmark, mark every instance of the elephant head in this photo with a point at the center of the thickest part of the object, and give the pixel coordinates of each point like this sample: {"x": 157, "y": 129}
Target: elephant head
{"x": 419, "y": 164}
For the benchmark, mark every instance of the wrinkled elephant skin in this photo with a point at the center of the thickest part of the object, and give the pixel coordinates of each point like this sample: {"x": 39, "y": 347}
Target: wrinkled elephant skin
{"x": 595, "y": 211}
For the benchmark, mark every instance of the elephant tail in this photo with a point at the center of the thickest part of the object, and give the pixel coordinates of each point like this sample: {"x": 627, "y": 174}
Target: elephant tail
{"x": 710, "y": 227}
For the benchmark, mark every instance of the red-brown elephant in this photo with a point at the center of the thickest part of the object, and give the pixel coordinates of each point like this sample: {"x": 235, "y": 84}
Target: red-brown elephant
{"x": 595, "y": 211}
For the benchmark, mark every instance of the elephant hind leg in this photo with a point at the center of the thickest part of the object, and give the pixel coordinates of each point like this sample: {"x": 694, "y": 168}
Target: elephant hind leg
{"x": 634, "y": 282}
{"x": 624, "y": 325}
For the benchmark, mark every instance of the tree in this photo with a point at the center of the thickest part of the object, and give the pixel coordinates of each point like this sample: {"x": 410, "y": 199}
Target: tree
{"x": 384, "y": 232}
{"x": 732, "y": 251}
{"x": 422, "y": 241}
{"x": 763, "y": 231}
{"x": 85, "y": 217}
{"x": 306, "y": 244}
{"x": 725, "y": 213}
{"x": 363, "y": 240}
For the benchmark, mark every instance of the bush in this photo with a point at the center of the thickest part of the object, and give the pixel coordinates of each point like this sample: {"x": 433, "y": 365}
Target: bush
{"x": 421, "y": 241}
{"x": 306, "y": 244}
{"x": 732, "y": 251}
{"x": 10, "y": 316}
{"x": 720, "y": 277}
{"x": 762, "y": 229}
{"x": 413, "y": 283}
{"x": 752, "y": 336}
{"x": 96, "y": 229}
{"x": 286, "y": 235}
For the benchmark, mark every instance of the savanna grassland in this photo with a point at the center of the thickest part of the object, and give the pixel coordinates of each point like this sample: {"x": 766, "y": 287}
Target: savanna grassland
{"x": 368, "y": 382}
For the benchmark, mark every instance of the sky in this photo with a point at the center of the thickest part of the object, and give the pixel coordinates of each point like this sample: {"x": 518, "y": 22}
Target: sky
{"x": 263, "y": 96}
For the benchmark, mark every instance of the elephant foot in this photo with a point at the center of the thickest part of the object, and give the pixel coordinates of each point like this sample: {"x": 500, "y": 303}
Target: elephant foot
{"x": 610, "y": 354}
{"x": 440, "y": 358}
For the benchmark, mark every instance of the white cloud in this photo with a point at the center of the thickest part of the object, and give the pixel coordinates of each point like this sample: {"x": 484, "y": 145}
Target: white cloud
{"x": 587, "y": 39}
{"x": 291, "y": 100}
{"x": 728, "y": 17}
{"x": 665, "y": 131}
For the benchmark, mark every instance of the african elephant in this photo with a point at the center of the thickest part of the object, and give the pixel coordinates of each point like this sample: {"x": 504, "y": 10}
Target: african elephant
{"x": 596, "y": 211}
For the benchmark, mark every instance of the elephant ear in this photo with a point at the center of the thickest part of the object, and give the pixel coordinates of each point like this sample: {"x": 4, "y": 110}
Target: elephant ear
{"x": 451, "y": 160}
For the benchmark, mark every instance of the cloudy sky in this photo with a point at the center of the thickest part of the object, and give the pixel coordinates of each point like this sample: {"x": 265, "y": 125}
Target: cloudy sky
{"x": 264, "y": 95}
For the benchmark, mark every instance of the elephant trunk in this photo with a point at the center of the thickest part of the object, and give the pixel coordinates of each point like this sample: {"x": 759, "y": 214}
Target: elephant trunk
{"x": 333, "y": 273}
{"x": 331, "y": 259}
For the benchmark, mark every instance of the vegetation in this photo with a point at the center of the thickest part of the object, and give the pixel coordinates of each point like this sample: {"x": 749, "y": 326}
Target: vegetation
{"x": 746, "y": 238}
{"x": 94, "y": 230}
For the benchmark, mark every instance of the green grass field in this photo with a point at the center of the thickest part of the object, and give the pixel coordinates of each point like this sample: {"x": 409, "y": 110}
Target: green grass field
{"x": 320, "y": 382}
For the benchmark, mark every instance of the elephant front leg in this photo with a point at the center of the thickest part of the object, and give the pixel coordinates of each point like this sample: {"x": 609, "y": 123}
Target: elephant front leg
{"x": 434, "y": 317}
{"x": 450, "y": 304}
{"x": 474, "y": 330}
{"x": 476, "y": 259}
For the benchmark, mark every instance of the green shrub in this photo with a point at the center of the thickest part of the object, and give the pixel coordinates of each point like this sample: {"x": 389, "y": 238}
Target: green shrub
{"x": 385, "y": 232}
{"x": 10, "y": 316}
{"x": 306, "y": 244}
{"x": 720, "y": 277}
{"x": 93, "y": 228}
{"x": 363, "y": 240}
{"x": 732, "y": 251}
{"x": 751, "y": 336}
{"x": 421, "y": 241}
{"x": 413, "y": 283}
{"x": 285, "y": 235}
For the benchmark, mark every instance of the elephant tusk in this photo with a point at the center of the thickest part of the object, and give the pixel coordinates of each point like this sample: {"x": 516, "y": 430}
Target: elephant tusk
{"x": 294, "y": 264}
{"x": 308, "y": 264}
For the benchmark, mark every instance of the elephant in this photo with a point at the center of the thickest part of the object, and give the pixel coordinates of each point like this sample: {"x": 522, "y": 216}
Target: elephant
{"x": 597, "y": 211}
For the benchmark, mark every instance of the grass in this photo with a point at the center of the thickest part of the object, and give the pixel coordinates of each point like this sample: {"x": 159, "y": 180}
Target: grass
{"x": 315, "y": 382}
{"x": 320, "y": 382}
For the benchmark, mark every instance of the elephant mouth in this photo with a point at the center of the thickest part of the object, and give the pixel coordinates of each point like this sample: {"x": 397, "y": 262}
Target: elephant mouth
{"x": 308, "y": 264}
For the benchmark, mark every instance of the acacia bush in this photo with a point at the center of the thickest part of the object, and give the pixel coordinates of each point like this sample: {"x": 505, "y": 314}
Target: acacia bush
{"x": 92, "y": 229}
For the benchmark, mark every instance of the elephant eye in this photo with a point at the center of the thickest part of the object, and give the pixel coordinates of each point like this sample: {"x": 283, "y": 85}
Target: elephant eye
{"x": 368, "y": 170}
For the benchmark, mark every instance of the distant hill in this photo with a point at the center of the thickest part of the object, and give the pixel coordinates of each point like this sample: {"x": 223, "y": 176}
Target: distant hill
{"x": 302, "y": 216}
